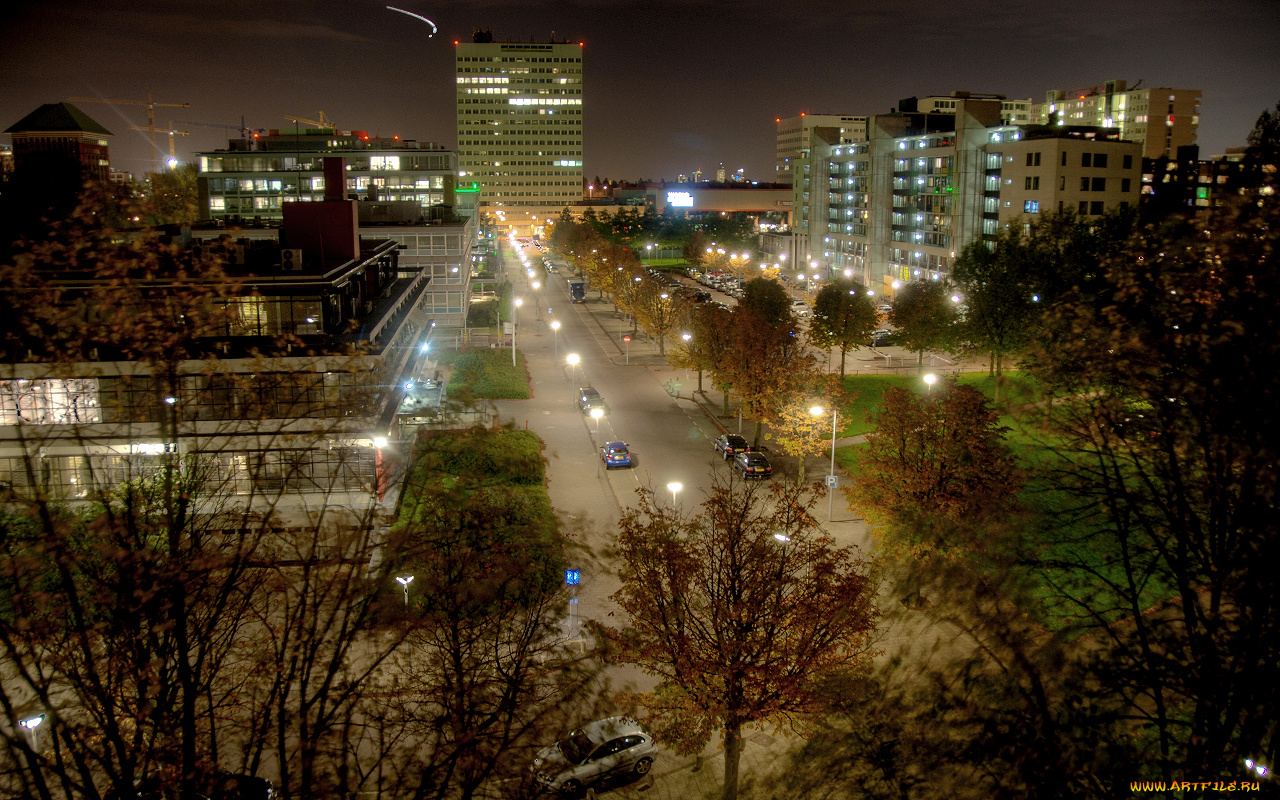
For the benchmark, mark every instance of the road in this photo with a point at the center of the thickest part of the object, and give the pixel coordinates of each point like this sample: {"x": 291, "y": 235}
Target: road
{"x": 671, "y": 442}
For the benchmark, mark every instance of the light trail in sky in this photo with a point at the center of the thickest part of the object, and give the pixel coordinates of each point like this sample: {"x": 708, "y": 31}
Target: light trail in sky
{"x": 417, "y": 16}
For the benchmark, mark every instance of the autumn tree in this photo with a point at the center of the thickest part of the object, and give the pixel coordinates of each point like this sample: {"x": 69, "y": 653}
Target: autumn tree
{"x": 1168, "y": 473}
{"x": 125, "y": 599}
{"x": 925, "y": 318}
{"x": 695, "y": 249}
{"x": 171, "y": 197}
{"x": 742, "y": 612}
{"x": 764, "y": 363}
{"x": 844, "y": 316}
{"x": 797, "y": 430}
{"x": 709, "y": 330}
{"x": 658, "y": 310}
{"x": 769, "y": 299}
{"x": 998, "y": 296}
{"x": 487, "y": 601}
{"x": 934, "y": 467}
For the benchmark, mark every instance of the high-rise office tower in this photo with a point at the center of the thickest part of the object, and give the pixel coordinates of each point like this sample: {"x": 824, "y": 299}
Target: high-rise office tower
{"x": 520, "y": 129}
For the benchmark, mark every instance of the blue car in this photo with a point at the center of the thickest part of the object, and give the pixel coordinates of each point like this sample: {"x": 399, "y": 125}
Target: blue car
{"x": 615, "y": 454}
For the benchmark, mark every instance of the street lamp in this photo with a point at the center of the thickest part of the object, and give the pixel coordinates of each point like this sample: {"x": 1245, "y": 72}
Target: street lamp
{"x": 930, "y": 379}
{"x": 555, "y": 329}
{"x": 516, "y": 302}
{"x": 818, "y": 411}
{"x": 31, "y": 723}
{"x": 674, "y": 487}
{"x": 404, "y": 582}
{"x": 572, "y": 360}
{"x": 596, "y": 414}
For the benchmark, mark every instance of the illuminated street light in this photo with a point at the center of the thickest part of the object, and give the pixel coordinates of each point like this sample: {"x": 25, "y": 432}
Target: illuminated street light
{"x": 930, "y": 380}
{"x": 405, "y": 581}
{"x": 674, "y": 487}
{"x": 31, "y": 723}
{"x": 572, "y": 359}
{"x": 555, "y": 330}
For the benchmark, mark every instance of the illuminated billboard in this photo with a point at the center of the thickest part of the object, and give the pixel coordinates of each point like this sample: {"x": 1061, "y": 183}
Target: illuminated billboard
{"x": 680, "y": 199}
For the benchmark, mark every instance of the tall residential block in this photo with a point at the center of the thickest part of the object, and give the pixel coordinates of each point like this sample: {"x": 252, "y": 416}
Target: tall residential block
{"x": 794, "y": 134}
{"x": 1160, "y": 119}
{"x": 903, "y": 204}
{"x": 520, "y": 129}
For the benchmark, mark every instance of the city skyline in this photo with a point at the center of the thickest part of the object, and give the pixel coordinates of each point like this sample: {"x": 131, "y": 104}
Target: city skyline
{"x": 673, "y": 89}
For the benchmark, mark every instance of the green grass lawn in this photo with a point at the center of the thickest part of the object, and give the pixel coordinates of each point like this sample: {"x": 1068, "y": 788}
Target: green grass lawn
{"x": 487, "y": 488}
{"x": 488, "y": 374}
{"x": 1056, "y": 529}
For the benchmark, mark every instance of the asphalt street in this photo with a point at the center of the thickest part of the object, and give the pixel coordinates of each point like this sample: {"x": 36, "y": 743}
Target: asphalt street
{"x": 671, "y": 441}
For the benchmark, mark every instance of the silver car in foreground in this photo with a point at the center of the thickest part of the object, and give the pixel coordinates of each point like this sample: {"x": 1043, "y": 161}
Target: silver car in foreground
{"x": 594, "y": 752}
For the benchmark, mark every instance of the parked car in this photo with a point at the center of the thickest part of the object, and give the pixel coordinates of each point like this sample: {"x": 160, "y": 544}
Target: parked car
{"x": 615, "y": 454}
{"x": 594, "y": 752}
{"x": 752, "y": 465}
{"x": 730, "y": 444}
{"x": 880, "y": 338}
{"x": 800, "y": 308}
{"x": 885, "y": 308}
{"x": 589, "y": 398}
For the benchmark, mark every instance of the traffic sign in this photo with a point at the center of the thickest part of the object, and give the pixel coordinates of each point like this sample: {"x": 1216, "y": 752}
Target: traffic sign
{"x": 626, "y": 339}
{"x": 572, "y": 577}
{"x": 833, "y": 481}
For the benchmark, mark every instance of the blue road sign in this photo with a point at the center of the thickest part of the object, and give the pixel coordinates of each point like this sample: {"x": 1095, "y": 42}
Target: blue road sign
{"x": 572, "y": 577}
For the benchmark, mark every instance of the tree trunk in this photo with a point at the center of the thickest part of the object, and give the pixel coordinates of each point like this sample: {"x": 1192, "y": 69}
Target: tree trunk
{"x": 843, "y": 351}
{"x": 726, "y": 403}
{"x": 755, "y": 441}
{"x": 662, "y": 350}
{"x": 991, "y": 364}
{"x": 732, "y": 757}
{"x": 800, "y": 471}
{"x": 700, "y": 383}
{"x": 920, "y": 363}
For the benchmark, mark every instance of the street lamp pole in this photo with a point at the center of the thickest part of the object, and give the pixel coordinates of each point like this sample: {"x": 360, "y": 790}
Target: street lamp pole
{"x": 516, "y": 302}
{"x": 31, "y": 724}
{"x": 404, "y": 581}
{"x": 818, "y": 411}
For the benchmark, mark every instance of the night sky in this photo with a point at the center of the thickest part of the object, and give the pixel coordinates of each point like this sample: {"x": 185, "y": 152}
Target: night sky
{"x": 670, "y": 87}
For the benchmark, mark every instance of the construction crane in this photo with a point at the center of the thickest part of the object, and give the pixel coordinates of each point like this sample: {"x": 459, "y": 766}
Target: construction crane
{"x": 241, "y": 128}
{"x": 151, "y": 105}
{"x": 319, "y": 123}
{"x": 173, "y": 155}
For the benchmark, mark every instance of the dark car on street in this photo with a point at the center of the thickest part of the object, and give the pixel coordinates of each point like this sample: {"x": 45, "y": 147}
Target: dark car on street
{"x": 589, "y": 398}
{"x": 752, "y": 465}
{"x": 730, "y": 444}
